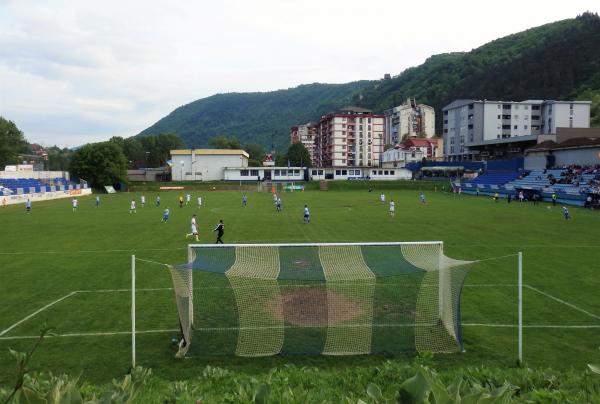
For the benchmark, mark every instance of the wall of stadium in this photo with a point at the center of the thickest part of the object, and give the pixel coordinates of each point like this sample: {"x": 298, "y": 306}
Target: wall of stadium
{"x": 581, "y": 156}
{"x": 43, "y": 196}
{"x": 38, "y": 175}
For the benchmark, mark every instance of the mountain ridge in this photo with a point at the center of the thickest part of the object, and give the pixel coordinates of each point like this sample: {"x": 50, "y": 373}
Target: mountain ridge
{"x": 558, "y": 60}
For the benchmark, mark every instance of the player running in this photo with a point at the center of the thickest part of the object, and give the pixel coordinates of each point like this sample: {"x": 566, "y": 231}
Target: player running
{"x": 132, "y": 208}
{"x": 143, "y": 200}
{"x": 75, "y": 204}
{"x": 278, "y": 205}
{"x": 306, "y": 214}
{"x": 188, "y": 199}
{"x": 165, "y": 218}
{"x": 392, "y": 208}
{"x": 220, "y": 229}
{"x": 566, "y": 213}
{"x": 157, "y": 201}
{"x": 97, "y": 201}
{"x": 422, "y": 197}
{"x": 181, "y": 201}
{"x": 194, "y": 227}
{"x": 28, "y": 206}
{"x": 244, "y": 200}
{"x": 199, "y": 201}
{"x": 382, "y": 198}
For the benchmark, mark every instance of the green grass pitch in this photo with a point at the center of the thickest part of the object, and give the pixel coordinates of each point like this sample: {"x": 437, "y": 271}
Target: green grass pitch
{"x": 84, "y": 259}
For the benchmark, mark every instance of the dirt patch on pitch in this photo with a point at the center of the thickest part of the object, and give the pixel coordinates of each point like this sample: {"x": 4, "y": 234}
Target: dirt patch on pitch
{"x": 313, "y": 307}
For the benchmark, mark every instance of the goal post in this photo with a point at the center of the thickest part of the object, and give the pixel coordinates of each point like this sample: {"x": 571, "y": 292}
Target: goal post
{"x": 319, "y": 298}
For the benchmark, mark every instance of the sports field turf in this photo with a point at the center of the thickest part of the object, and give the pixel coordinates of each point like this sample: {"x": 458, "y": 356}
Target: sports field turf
{"x": 84, "y": 259}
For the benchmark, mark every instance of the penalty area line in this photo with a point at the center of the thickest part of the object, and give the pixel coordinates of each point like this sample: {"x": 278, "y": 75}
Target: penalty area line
{"x": 556, "y": 299}
{"x": 37, "y": 312}
{"x": 91, "y": 334}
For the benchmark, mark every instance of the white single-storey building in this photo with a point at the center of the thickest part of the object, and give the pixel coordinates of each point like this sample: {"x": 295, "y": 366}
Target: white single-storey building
{"x": 264, "y": 173}
{"x": 205, "y": 164}
{"x": 359, "y": 173}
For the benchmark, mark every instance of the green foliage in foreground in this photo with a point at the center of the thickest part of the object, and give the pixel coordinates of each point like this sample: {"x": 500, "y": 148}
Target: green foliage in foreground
{"x": 390, "y": 382}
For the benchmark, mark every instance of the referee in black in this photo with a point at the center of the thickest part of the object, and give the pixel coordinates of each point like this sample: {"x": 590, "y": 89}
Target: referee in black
{"x": 220, "y": 229}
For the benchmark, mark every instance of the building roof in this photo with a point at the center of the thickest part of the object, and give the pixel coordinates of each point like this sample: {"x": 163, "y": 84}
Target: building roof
{"x": 573, "y": 143}
{"x": 419, "y": 142}
{"x": 543, "y": 146}
{"x": 210, "y": 152}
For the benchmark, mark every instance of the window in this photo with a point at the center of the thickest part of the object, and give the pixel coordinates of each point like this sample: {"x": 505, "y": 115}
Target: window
{"x": 516, "y": 117}
{"x": 357, "y": 172}
{"x": 535, "y": 107}
{"x": 343, "y": 161}
{"x": 391, "y": 172}
{"x": 505, "y": 116}
{"x": 296, "y": 172}
{"x": 506, "y": 106}
{"x": 344, "y": 172}
{"x": 290, "y": 172}
{"x": 516, "y": 126}
{"x": 314, "y": 172}
{"x": 344, "y": 154}
{"x": 374, "y": 172}
{"x": 499, "y": 106}
{"x": 526, "y": 117}
{"x": 535, "y": 117}
{"x": 254, "y": 173}
{"x": 526, "y": 107}
{"x": 320, "y": 172}
{"x": 506, "y": 127}
{"x": 244, "y": 173}
{"x": 516, "y": 107}
{"x": 338, "y": 172}
{"x": 524, "y": 126}
{"x": 380, "y": 172}
{"x": 386, "y": 172}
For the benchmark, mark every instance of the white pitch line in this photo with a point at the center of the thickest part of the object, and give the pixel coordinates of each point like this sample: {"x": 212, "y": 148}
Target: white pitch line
{"x": 113, "y": 333}
{"x": 90, "y": 334}
{"x": 530, "y": 326}
{"x": 563, "y": 302}
{"x": 36, "y": 312}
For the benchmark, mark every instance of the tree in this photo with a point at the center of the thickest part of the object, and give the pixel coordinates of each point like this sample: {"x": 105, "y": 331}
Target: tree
{"x": 225, "y": 142}
{"x": 298, "y": 155}
{"x": 100, "y": 164}
{"x": 256, "y": 153}
{"x": 388, "y": 146}
{"x": 58, "y": 159}
{"x": 12, "y": 142}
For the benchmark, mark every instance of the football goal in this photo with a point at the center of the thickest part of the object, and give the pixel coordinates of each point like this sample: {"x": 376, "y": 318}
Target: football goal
{"x": 321, "y": 298}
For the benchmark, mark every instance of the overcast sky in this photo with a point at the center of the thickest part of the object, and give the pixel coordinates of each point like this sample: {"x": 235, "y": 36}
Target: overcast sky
{"x": 73, "y": 72}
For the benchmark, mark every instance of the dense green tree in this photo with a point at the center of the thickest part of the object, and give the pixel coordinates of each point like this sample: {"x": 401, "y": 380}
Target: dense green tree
{"x": 298, "y": 155}
{"x": 100, "y": 164}
{"x": 256, "y": 153}
{"x": 225, "y": 142}
{"x": 58, "y": 159}
{"x": 12, "y": 143}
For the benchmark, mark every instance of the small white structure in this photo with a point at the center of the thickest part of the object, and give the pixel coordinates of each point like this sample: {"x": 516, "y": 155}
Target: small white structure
{"x": 398, "y": 158}
{"x": 264, "y": 173}
{"x": 205, "y": 164}
{"x": 360, "y": 173}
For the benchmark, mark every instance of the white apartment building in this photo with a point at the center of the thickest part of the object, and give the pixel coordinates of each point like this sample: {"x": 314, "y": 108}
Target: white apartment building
{"x": 351, "y": 137}
{"x": 473, "y": 127}
{"x": 408, "y": 120}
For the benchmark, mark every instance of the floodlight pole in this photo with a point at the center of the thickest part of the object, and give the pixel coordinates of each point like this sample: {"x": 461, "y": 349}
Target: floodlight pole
{"x": 520, "y": 360}
{"x": 133, "y": 311}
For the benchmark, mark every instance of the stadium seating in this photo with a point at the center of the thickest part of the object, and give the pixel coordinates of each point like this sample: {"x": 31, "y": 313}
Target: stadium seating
{"x": 32, "y": 185}
{"x": 495, "y": 178}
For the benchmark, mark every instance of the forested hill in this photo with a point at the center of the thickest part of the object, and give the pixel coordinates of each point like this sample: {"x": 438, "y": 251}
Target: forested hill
{"x": 557, "y": 61}
{"x": 254, "y": 117}
{"x": 554, "y": 61}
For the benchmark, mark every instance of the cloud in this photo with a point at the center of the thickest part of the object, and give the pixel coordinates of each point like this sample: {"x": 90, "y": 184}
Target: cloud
{"x": 82, "y": 71}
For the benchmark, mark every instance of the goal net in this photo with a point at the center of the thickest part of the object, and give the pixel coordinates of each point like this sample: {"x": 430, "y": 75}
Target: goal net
{"x": 330, "y": 299}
